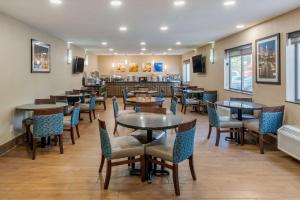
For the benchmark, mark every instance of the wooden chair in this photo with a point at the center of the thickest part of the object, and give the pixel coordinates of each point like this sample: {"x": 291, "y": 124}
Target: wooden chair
{"x": 208, "y": 96}
{"x": 186, "y": 102}
{"x": 222, "y": 125}
{"x": 47, "y": 123}
{"x": 173, "y": 105}
{"x": 125, "y": 102}
{"x": 118, "y": 148}
{"x": 71, "y": 122}
{"x": 181, "y": 150}
{"x": 89, "y": 108}
{"x": 44, "y": 101}
{"x": 270, "y": 121}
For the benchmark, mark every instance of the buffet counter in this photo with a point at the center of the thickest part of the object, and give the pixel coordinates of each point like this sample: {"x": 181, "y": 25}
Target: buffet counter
{"x": 115, "y": 88}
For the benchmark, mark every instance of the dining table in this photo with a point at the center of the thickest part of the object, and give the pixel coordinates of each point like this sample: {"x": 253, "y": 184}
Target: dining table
{"x": 150, "y": 92}
{"x": 150, "y": 122}
{"x": 33, "y": 107}
{"x": 140, "y": 101}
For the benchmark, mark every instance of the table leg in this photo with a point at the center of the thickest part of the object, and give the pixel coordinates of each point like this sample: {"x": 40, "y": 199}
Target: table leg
{"x": 240, "y": 115}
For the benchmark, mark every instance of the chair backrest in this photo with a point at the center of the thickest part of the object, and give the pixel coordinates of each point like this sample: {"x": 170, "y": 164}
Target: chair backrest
{"x": 184, "y": 141}
{"x": 184, "y": 97}
{"x": 105, "y": 141}
{"x": 156, "y": 110}
{"x": 69, "y": 92}
{"x": 172, "y": 91}
{"x": 77, "y": 91}
{"x": 213, "y": 116}
{"x": 59, "y": 98}
{"x": 124, "y": 95}
{"x": 162, "y": 93}
{"x": 48, "y": 122}
{"x": 271, "y": 119}
{"x": 75, "y": 114}
{"x": 174, "y": 104}
{"x": 92, "y": 103}
{"x": 44, "y": 101}
{"x": 115, "y": 106}
{"x": 210, "y": 96}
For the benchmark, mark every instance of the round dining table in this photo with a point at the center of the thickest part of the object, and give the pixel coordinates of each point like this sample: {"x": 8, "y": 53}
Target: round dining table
{"x": 145, "y": 100}
{"x": 150, "y": 122}
{"x": 240, "y": 106}
{"x": 151, "y": 92}
{"x": 33, "y": 107}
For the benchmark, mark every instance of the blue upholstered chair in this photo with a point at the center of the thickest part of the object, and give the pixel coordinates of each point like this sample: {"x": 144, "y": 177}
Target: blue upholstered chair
{"x": 188, "y": 102}
{"x": 124, "y": 97}
{"x": 117, "y": 112}
{"x": 47, "y": 123}
{"x": 222, "y": 124}
{"x": 89, "y": 107}
{"x": 101, "y": 99}
{"x": 71, "y": 122}
{"x": 173, "y": 106}
{"x": 118, "y": 148}
{"x": 175, "y": 152}
{"x": 270, "y": 121}
{"x": 208, "y": 96}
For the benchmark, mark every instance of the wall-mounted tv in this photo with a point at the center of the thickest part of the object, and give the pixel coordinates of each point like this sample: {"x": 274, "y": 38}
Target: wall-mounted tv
{"x": 78, "y": 66}
{"x": 199, "y": 64}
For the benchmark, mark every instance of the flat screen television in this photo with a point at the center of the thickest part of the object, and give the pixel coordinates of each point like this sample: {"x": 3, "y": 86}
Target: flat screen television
{"x": 199, "y": 64}
{"x": 78, "y": 65}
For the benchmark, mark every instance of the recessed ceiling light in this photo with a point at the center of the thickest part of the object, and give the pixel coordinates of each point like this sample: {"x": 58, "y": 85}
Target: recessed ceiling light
{"x": 56, "y": 2}
{"x": 115, "y": 53}
{"x": 143, "y": 43}
{"x": 123, "y": 28}
{"x": 111, "y": 49}
{"x": 165, "y": 53}
{"x": 116, "y": 3}
{"x": 229, "y": 3}
{"x": 179, "y": 3}
{"x": 240, "y": 26}
{"x": 164, "y": 28}
{"x": 104, "y": 43}
{"x": 170, "y": 49}
{"x": 178, "y": 43}
{"x": 143, "y": 49}
{"x": 70, "y": 42}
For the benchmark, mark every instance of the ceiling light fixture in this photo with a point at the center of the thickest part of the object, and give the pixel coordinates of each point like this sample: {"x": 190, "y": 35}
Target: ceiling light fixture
{"x": 123, "y": 28}
{"x": 178, "y": 43}
{"x": 115, "y": 53}
{"x": 179, "y": 3}
{"x": 104, "y": 43}
{"x": 141, "y": 53}
{"x": 57, "y": 2}
{"x": 143, "y": 43}
{"x": 143, "y": 49}
{"x": 240, "y": 26}
{"x": 229, "y": 3}
{"x": 170, "y": 49}
{"x": 116, "y": 3}
{"x": 165, "y": 53}
{"x": 164, "y": 28}
{"x": 111, "y": 49}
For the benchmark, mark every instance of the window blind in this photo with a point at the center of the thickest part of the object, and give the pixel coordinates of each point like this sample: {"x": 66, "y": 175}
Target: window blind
{"x": 294, "y": 37}
{"x": 239, "y": 51}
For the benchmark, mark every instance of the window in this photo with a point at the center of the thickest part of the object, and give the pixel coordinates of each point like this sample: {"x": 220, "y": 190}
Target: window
{"x": 293, "y": 67}
{"x": 186, "y": 71}
{"x": 238, "y": 69}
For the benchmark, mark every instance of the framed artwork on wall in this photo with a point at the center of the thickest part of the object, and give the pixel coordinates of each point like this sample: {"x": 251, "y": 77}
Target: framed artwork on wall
{"x": 147, "y": 67}
{"x": 158, "y": 67}
{"x": 133, "y": 67}
{"x": 121, "y": 67}
{"x": 40, "y": 57}
{"x": 268, "y": 60}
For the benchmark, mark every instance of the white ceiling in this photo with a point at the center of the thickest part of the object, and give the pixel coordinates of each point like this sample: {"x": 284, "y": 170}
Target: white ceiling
{"x": 89, "y": 22}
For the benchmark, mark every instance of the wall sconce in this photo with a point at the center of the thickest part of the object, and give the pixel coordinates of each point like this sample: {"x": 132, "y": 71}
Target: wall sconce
{"x": 69, "y": 53}
{"x": 86, "y": 60}
{"x": 166, "y": 66}
{"x": 113, "y": 65}
{"x": 212, "y": 53}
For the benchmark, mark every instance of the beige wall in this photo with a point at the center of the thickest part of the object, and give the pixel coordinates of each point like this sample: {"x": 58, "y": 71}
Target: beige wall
{"x": 18, "y": 86}
{"x": 266, "y": 94}
{"x": 173, "y": 63}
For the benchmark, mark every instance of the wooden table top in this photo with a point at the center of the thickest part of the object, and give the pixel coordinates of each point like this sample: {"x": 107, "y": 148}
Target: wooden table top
{"x": 145, "y": 100}
{"x": 33, "y": 107}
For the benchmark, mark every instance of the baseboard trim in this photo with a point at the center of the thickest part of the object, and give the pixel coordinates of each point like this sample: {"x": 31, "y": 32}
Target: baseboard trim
{"x": 12, "y": 144}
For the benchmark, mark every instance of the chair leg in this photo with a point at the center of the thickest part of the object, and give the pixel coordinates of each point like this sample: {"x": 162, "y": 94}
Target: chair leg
{"x": 185, "y": 109}
{"x": 104, "y": 104}
{"x": 261, "y": 143}
{"x": 132, "y": 164}
{"x": 108, "y": 174}
{"x": 94, "y": 113}
{"x": 175, "y": 179}
{"x": 182, "y": 106}
{"x": 115, "y": 129}
{"x": 209, "y": 131}
{"x": 218, "y": 136}
{"x": 61, "y": 147}
{"x": 102, "y": 163}
{"x": 90, "y": 114}
{"x": 124, "y": 106}
{"x": 143, "y": 168}
{"x": 191, "y": 162}
{"x": 72, "y": 135}
{"x": 77, "y": 131}
{"x": 33, "y": 148}
{"x": 242, "y": 136}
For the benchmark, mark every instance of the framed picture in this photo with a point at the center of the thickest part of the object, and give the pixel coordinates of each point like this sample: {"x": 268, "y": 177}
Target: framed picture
{"x": 133, "y": 67}
{"x": 40, "y": 57}
{"x": 121, "y": 67}
{"x": 158, "y": 67}
{"x": 147, "y": 67}
{"x": 268, "y": 60}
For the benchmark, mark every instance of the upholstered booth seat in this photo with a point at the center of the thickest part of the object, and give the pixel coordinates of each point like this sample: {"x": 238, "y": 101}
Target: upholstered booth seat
{"x": 252, "y": 125}
{"x": 125, "y": 147}
{"x": 141, "y": 135}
